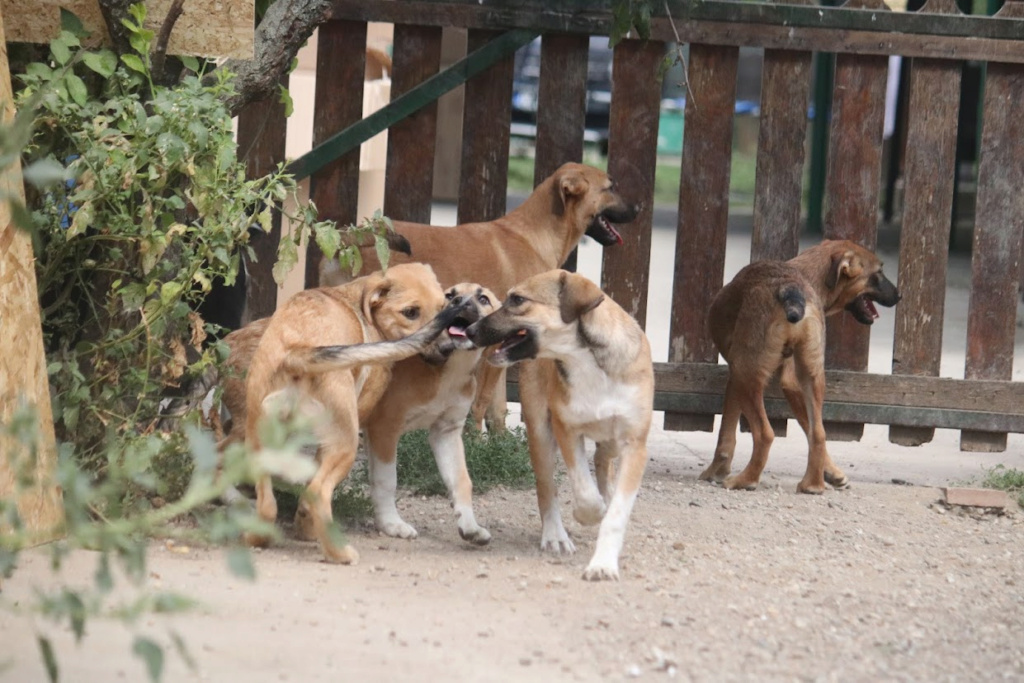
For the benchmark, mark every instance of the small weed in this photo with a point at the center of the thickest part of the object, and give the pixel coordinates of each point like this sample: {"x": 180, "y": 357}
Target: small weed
{"x": 493, "y": 459}
{"x": 1006, "y": 479}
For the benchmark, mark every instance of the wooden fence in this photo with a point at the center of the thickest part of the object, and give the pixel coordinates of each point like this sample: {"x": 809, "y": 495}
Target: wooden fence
{"x": 862, "y": 34}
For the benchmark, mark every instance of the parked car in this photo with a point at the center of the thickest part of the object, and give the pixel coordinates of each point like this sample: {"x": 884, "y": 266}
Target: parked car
{"x": 526, "y": 80}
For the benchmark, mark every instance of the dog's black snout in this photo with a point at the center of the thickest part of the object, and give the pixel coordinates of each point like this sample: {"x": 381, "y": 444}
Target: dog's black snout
{"x": 457, "y": 301}
{"x": 472, "y": 330}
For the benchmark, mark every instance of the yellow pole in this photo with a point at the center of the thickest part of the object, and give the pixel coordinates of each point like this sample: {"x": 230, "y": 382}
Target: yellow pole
{"x": 22, "y": 361}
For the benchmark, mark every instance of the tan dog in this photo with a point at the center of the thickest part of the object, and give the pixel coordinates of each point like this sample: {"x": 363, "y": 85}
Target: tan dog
{"x": 537, "y": 236}
{"x": 305, "y": 351}
{"x": 592, "y": 378}
{"x": 770, "y": 320}
{"x": 437, "y": 397}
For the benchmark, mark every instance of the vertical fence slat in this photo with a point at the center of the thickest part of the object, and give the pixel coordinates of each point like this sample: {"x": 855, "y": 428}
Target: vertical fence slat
{"x": 785, "y": 89}
{"x": 852, "y": 192}
{"x": 338, "y": 102}
{"x": 703, "y": 211}
{"x": 261, "y": 143}
{"x": 561, "y": 106}
{"x": 924, "y": 239}
{"x": 632, "y": 159}
{"x": 998, "y": 226}
{"x": 485, "y": 134}
{"x": 409, "y": 178}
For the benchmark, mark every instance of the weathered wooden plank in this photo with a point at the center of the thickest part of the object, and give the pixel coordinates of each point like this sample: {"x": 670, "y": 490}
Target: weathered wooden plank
{"x": 261, "y": 144}
{"x": 409, "y": 179}
{"x": 817, "y": 28}
{"x": 703, "y": 211}
{"x": 998, "y": 227}
{"x": 338, "y": 102}
{"x": 485, "y": 135}
{"x": 632, "y": 158}
{"x": 924, "y": 238}
{"x": 23, "y": 379}
{"x": 206, "y": 28}
{"x": 561, "y": 106}
{"x": 856, "y": 397}
{"x": 852, "y": 189}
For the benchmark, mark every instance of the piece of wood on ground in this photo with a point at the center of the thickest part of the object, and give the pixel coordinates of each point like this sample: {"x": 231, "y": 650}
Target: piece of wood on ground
{"x": 977, "y": 498}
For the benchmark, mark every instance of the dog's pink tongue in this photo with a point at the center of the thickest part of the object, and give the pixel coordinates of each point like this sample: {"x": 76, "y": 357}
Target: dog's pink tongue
{"x": 454, "y": 331}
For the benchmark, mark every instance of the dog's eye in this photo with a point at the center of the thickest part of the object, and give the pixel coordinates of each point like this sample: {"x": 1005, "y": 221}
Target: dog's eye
{"x": 515, "y": 300}
{"x": 484, "y": 300}
{"x": 412, "y": 312}
{"x": 449, "y": 295}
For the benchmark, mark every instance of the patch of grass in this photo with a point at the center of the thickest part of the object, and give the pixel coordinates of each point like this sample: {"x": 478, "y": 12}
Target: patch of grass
{"x": 493, "y": 459}
{"x": 1006, "y": 479}
{"x": 351, "y": 502}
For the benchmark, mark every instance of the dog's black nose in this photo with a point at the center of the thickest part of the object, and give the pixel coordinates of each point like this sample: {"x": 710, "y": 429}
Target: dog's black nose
{"x": 457, "y": 300}
{"x": 471, "y": 330}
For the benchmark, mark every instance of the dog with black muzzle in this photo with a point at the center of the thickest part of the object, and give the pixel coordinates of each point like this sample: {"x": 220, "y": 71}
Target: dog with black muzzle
{"x": 770, "y": 321}
{"x": 588, "y": 375}
{"x": 434, "y": 394}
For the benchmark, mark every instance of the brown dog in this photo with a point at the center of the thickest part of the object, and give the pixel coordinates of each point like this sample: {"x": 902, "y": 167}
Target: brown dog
{"x": 437, "y": 397}
{"x": 537, "y": 236}
{"x": 299, "y": 354}
{"x": 592, "y": 378}
{"x": 771, "y": 320}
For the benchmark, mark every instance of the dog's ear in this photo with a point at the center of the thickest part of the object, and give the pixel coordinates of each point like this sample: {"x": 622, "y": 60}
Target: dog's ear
{"x": 376, "y": 291}
{"x": 571, "y": 183}
{"x": 844, "y": 263}
{"x": 577, "y": 296}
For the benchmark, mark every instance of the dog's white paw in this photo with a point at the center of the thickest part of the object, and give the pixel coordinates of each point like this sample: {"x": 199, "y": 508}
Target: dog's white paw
{"x": 396, "y": 529}
{"x": 477, "y": 535}
{"x": 598, "y": 571}
{"x": 558, "y": 543}
{"x": 589, "y": 512}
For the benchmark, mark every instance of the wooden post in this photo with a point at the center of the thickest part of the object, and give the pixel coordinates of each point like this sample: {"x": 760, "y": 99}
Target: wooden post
{"x": 22, "y": 362}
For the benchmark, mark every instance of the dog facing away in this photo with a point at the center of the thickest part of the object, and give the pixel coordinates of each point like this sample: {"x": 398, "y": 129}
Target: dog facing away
{"x": 306, "y": 352}
{"x": 535, "y": 237}
{"x": 588, "y": 375}
{"x": 770, "y": 321}
{"x": 436, "y": 397}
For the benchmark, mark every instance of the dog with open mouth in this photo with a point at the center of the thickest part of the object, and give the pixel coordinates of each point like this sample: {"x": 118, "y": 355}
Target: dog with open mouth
{"x": 535, "y": 237}
{"x": 587, "y": 375}
{"x": 770, "y": 321}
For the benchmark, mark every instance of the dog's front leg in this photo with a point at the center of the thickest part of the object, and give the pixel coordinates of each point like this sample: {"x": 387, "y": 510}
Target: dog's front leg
{"x": 604, "y": 564}
{"x": 588, "y": 504}
{"x": 382, "y": 459}
{"x": 446, "y": 442}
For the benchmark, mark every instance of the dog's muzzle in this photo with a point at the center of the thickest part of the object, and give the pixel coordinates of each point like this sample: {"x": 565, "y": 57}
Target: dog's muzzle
{"x": 602, "y": 228}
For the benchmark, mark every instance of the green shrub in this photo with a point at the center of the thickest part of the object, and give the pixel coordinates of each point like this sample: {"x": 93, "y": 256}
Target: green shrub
{"x": 1006, "y": 479}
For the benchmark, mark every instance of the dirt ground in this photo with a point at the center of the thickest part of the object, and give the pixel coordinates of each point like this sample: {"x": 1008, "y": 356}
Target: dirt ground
{"x": 876, "y": 582}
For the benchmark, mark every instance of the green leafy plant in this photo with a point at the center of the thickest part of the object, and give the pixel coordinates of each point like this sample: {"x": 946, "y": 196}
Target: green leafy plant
{"x": 1006, "y": 479}
{"x": 492, "y": 458}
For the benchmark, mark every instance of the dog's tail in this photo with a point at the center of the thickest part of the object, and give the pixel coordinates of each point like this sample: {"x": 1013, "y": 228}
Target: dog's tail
{"x": 791, "y": 297}
{"x": 364, "y": 238}
{"x": 327, "y": 358}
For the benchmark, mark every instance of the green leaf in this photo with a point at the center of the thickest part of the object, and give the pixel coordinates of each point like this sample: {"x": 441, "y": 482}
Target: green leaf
{"x": 287, "y": 257}
{"x": 76, "y": 614}
{"x": 169, "y": 291}
{"x": 328, "y": 238}
{"x": 60, "y": 50}
{"x": 240, "y": 563}
{"x": 72, "y": 24}
{"x": 134, "y": 63}
{"x": 103, "y": 62}
{"x": 152, "y": 654}
{"x": 383, "y": 252}
{"x": 138, "y": 10}
{"x": 179, "y": 645}
{"x": 285, "y": 98}
{"x": 76, "y": 88}
{"x": 81, "y": 221}
{"x": 190, "y": 63}
{"x": 49, "y": 660}
{"x": 104, "y": 579}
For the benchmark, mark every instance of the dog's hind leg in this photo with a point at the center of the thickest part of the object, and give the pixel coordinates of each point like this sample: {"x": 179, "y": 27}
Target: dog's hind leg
{"x": 752, "y": 405}
{"x": 446, "y": 441}
{"x": 812, "y": 384}
{"x": 795, "y": 397}
{"x": 720, "y": 466}
{"x": 382, "y": 450}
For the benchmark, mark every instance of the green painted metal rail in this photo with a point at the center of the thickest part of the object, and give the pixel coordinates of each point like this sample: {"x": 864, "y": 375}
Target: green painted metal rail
{"x": 418, "y": 97}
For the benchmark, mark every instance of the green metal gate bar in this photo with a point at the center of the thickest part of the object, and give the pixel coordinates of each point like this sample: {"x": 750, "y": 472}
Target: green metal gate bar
{"x": 423, "y": 94}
